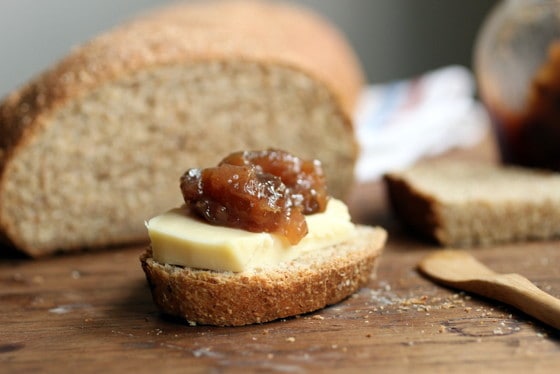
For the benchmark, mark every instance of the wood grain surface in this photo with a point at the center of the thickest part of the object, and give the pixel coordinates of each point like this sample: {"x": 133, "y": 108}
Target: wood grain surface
{"x": 93, "y": 312}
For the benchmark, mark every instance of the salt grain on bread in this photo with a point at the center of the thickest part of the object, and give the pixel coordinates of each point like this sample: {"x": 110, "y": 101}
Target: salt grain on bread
{"x": 312, "y": 281}
{"x": 94, "y": 145}
{"x": 468, "y": 204}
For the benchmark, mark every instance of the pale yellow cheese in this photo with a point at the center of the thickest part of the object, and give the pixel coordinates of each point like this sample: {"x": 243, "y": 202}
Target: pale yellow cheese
{"x": 179, "y": 239}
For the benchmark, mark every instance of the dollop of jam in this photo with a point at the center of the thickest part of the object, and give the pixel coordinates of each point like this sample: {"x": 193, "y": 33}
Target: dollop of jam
{"x": 258, "y": 191}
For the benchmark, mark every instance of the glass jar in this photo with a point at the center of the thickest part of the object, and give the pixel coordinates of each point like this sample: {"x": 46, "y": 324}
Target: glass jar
{"x": 517, "y": 65}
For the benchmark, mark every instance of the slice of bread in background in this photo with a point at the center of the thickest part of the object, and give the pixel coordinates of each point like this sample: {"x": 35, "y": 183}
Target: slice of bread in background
{"x": 308, "y": 283}
{"x": 96, "y": 145}
{"x": 468, "y": 204}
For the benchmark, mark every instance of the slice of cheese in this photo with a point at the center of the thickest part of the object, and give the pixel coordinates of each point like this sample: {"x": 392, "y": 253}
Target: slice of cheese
{"x": 180, "y": 239}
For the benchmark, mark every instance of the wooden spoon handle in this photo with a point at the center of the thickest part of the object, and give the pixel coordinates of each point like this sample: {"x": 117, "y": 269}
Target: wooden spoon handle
{"x": 518, "y": 291}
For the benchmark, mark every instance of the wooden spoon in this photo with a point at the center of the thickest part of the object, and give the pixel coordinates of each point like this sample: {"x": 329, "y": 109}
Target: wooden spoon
{"x": 460, "y": 270}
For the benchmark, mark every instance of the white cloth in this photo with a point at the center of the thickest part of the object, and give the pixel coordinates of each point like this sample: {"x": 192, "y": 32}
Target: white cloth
{"x": 400, "y": 122}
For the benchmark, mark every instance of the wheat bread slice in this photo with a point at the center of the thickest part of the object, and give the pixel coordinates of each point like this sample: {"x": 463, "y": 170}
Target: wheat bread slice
{"x": 465, "y": 204}
{"x": 308, "y": 283}
{"x": 94, "y": 145}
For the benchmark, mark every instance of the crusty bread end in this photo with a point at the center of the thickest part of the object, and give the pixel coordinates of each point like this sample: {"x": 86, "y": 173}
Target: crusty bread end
{"x": 303, "y": 285}
{"x": 465, "y": 204}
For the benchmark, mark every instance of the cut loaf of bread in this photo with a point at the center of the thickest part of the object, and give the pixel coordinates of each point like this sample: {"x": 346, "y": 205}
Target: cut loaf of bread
{"x": 305, "y": 284}
{"x": 93, "y": 146}
{"x": 469, "y": 204}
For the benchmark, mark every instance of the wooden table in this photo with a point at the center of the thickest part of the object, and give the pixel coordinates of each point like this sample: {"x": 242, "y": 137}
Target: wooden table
{"x": 93, "y": 313}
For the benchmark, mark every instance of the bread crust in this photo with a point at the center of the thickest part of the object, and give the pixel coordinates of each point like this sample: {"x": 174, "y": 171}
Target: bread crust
{"x": 303, "y": 285}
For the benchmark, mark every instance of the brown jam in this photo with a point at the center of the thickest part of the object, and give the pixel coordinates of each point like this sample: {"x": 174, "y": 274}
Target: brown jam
{"x": 258, "y": 191}
{"x": 532, "y": 138}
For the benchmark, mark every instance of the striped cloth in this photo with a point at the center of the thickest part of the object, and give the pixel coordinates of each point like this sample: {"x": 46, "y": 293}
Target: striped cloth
{"x": 400, "y": 122}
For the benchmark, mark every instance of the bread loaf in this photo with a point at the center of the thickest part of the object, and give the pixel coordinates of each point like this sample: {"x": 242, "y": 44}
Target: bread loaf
{"x": 305, "y": 284}
{"x": 93, "y": 146}
{"x": 466, "y": 204}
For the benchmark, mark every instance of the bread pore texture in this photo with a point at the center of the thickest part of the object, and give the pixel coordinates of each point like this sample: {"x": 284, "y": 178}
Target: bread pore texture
{"x": 308, "y": 283}
{"x": 465, "y": 204}
{"x": 94, "y": 146}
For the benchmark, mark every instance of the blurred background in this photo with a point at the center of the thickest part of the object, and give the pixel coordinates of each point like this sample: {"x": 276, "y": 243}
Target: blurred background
{"x": 394, "y": 39}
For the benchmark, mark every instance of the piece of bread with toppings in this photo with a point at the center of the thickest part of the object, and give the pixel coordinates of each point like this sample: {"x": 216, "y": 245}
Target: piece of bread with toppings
{"x": 258, "y": 238}
{"x": 94, "y": 145}
{"x": 466, "y": 204}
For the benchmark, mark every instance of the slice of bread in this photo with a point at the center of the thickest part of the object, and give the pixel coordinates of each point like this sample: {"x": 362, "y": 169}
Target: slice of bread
{"x": 474, "y": 204}
{"x": 308, "y": 283}
{"x": 94, "y": 145}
